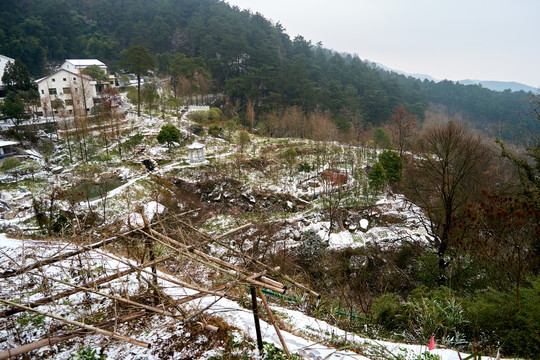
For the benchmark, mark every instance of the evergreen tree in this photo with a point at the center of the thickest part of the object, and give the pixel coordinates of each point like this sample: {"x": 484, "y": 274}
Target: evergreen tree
{"x": 392, "y": 164}
{"x": 16, "y": 76}
{"x": 377, "y": 177}
{"x": 168, "y": 135}
{"x": 139, "y": 61}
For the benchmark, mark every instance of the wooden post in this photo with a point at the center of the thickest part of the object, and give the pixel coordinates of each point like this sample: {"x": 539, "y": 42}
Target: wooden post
{"x": 256, "y": 317}
{"x": 273, "y": 321}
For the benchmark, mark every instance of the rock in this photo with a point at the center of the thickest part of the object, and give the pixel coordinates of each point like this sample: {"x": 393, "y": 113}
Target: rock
{"x": 107, "y": 175}
{"x": 57, "y": 169}
{"x": 296, "y": 235}
{"x": 364, "y": 223}
{"x": 6, "y": 196}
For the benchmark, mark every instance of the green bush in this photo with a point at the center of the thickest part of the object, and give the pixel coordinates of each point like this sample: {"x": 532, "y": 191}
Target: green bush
{"x": 389, "y": 312}
{"x": 214, "y": 130}
{"x": 10, "y": 164}
{"x": 199, "y": 116}
{"x": 87, "y": 354}
{"x": 312, "y": 248}
{"x": 215, "y": 114}
{"x": 304, "y": 167}
{"x": 496, "y": 320}
{"x": 133, "y": 141}
{"x": 196, "y": 129}
{"x": 438, "y": 312}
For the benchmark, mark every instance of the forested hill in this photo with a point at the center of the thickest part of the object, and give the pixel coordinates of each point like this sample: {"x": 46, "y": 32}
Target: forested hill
{"x": 250, "y": 59}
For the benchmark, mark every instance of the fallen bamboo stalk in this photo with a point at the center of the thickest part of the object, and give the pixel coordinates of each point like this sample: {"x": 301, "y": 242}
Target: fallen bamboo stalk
{"x": 211, "y": 239}
{"x": 53, "y": 340}
{"x": 113, "y": 297}
{"x": 260, "y": 263}
{"x": 234, "y": 271}
{"x": 166, "y": 278}
{"x": 273, "y": 321}
{"x": 283, "y": 276}
{"x": 273, "y": 282}
{"x": 89, "y": 284}
{"x": 80, "y": 324}
{"x": 156, "y": 310}
{"x": 216, "y": 260}
{"x": 59, "y": 257}
{"x": 225, "y": 234}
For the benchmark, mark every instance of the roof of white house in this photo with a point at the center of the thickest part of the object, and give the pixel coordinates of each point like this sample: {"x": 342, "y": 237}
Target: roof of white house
{"x": 82, "y": 63}
{"x": 195, "y": 145}
{"x": 3, "y": 61}
{"x": 59, "y": 70}
{"x": 7, "y": 143}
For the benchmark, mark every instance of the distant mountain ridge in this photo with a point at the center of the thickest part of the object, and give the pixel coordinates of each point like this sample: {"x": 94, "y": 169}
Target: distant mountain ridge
{"x": 491, "y": 85}
{"x": 501, "y": 85}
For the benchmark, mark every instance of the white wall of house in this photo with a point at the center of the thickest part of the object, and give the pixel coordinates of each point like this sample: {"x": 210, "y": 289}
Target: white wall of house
{"x": 77, "y": 65}
{"x": 78, "y": 93}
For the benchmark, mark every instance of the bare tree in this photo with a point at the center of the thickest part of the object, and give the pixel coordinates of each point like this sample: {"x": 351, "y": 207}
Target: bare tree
{"x": 402, "y": 127}
{"x": 451, "y": 165}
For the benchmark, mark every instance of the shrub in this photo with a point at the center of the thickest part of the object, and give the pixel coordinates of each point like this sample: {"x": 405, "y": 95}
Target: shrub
{"x": 10, "y": 164}
{"x": 196, "y": 129}
{"x": 214, "y": 130}
{"x": 439, "y": 313}
{"x": 133, "y": 141}
{"x": 215, "y": 114}
{"x": 304, "y": 167}
{"x": 87, "y": 354}
{"x": 497, "y": 320}
{"x": 388, "y": 311}
{"x": 312, "y": 248}
{"x": 199, "y": 116}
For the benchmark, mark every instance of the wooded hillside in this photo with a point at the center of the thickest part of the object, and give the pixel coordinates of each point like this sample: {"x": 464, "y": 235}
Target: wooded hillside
{"x": 249, "y": 59}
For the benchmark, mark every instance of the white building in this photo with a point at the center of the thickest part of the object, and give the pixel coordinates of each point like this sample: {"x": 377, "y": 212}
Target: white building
{"x": 77, "y": 65}
{"x": 78, "y": 93}
{"x": 3, "y": 62}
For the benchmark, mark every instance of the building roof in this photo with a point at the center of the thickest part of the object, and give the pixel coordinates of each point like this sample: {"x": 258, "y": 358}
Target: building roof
{"x": 57, "y": 71}
{"x": 82, "y": 63}
{"x": 195, "y": 145}
{"x": 4, "y": 143}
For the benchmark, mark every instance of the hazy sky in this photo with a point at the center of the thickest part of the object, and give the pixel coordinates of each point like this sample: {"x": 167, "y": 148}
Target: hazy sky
{"x": 447, "y": 39}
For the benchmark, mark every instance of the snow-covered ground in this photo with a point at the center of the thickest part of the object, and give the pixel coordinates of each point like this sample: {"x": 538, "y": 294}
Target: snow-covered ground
{"x": 306, "y": 335}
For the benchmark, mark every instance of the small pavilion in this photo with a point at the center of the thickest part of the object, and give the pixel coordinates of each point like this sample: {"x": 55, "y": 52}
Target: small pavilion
{"x": 196, "y": 153}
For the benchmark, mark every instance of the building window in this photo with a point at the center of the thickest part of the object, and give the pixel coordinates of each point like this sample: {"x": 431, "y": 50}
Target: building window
{"x": 42, "y": 92}
{"x": 66, "y": 90}
{"x": 52, "y": 91}
{"x": 53, "y": 79}
{"x": 65, "y": 79}
{"x": 74, "y": 79}
{"x": 69, "y": 102}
